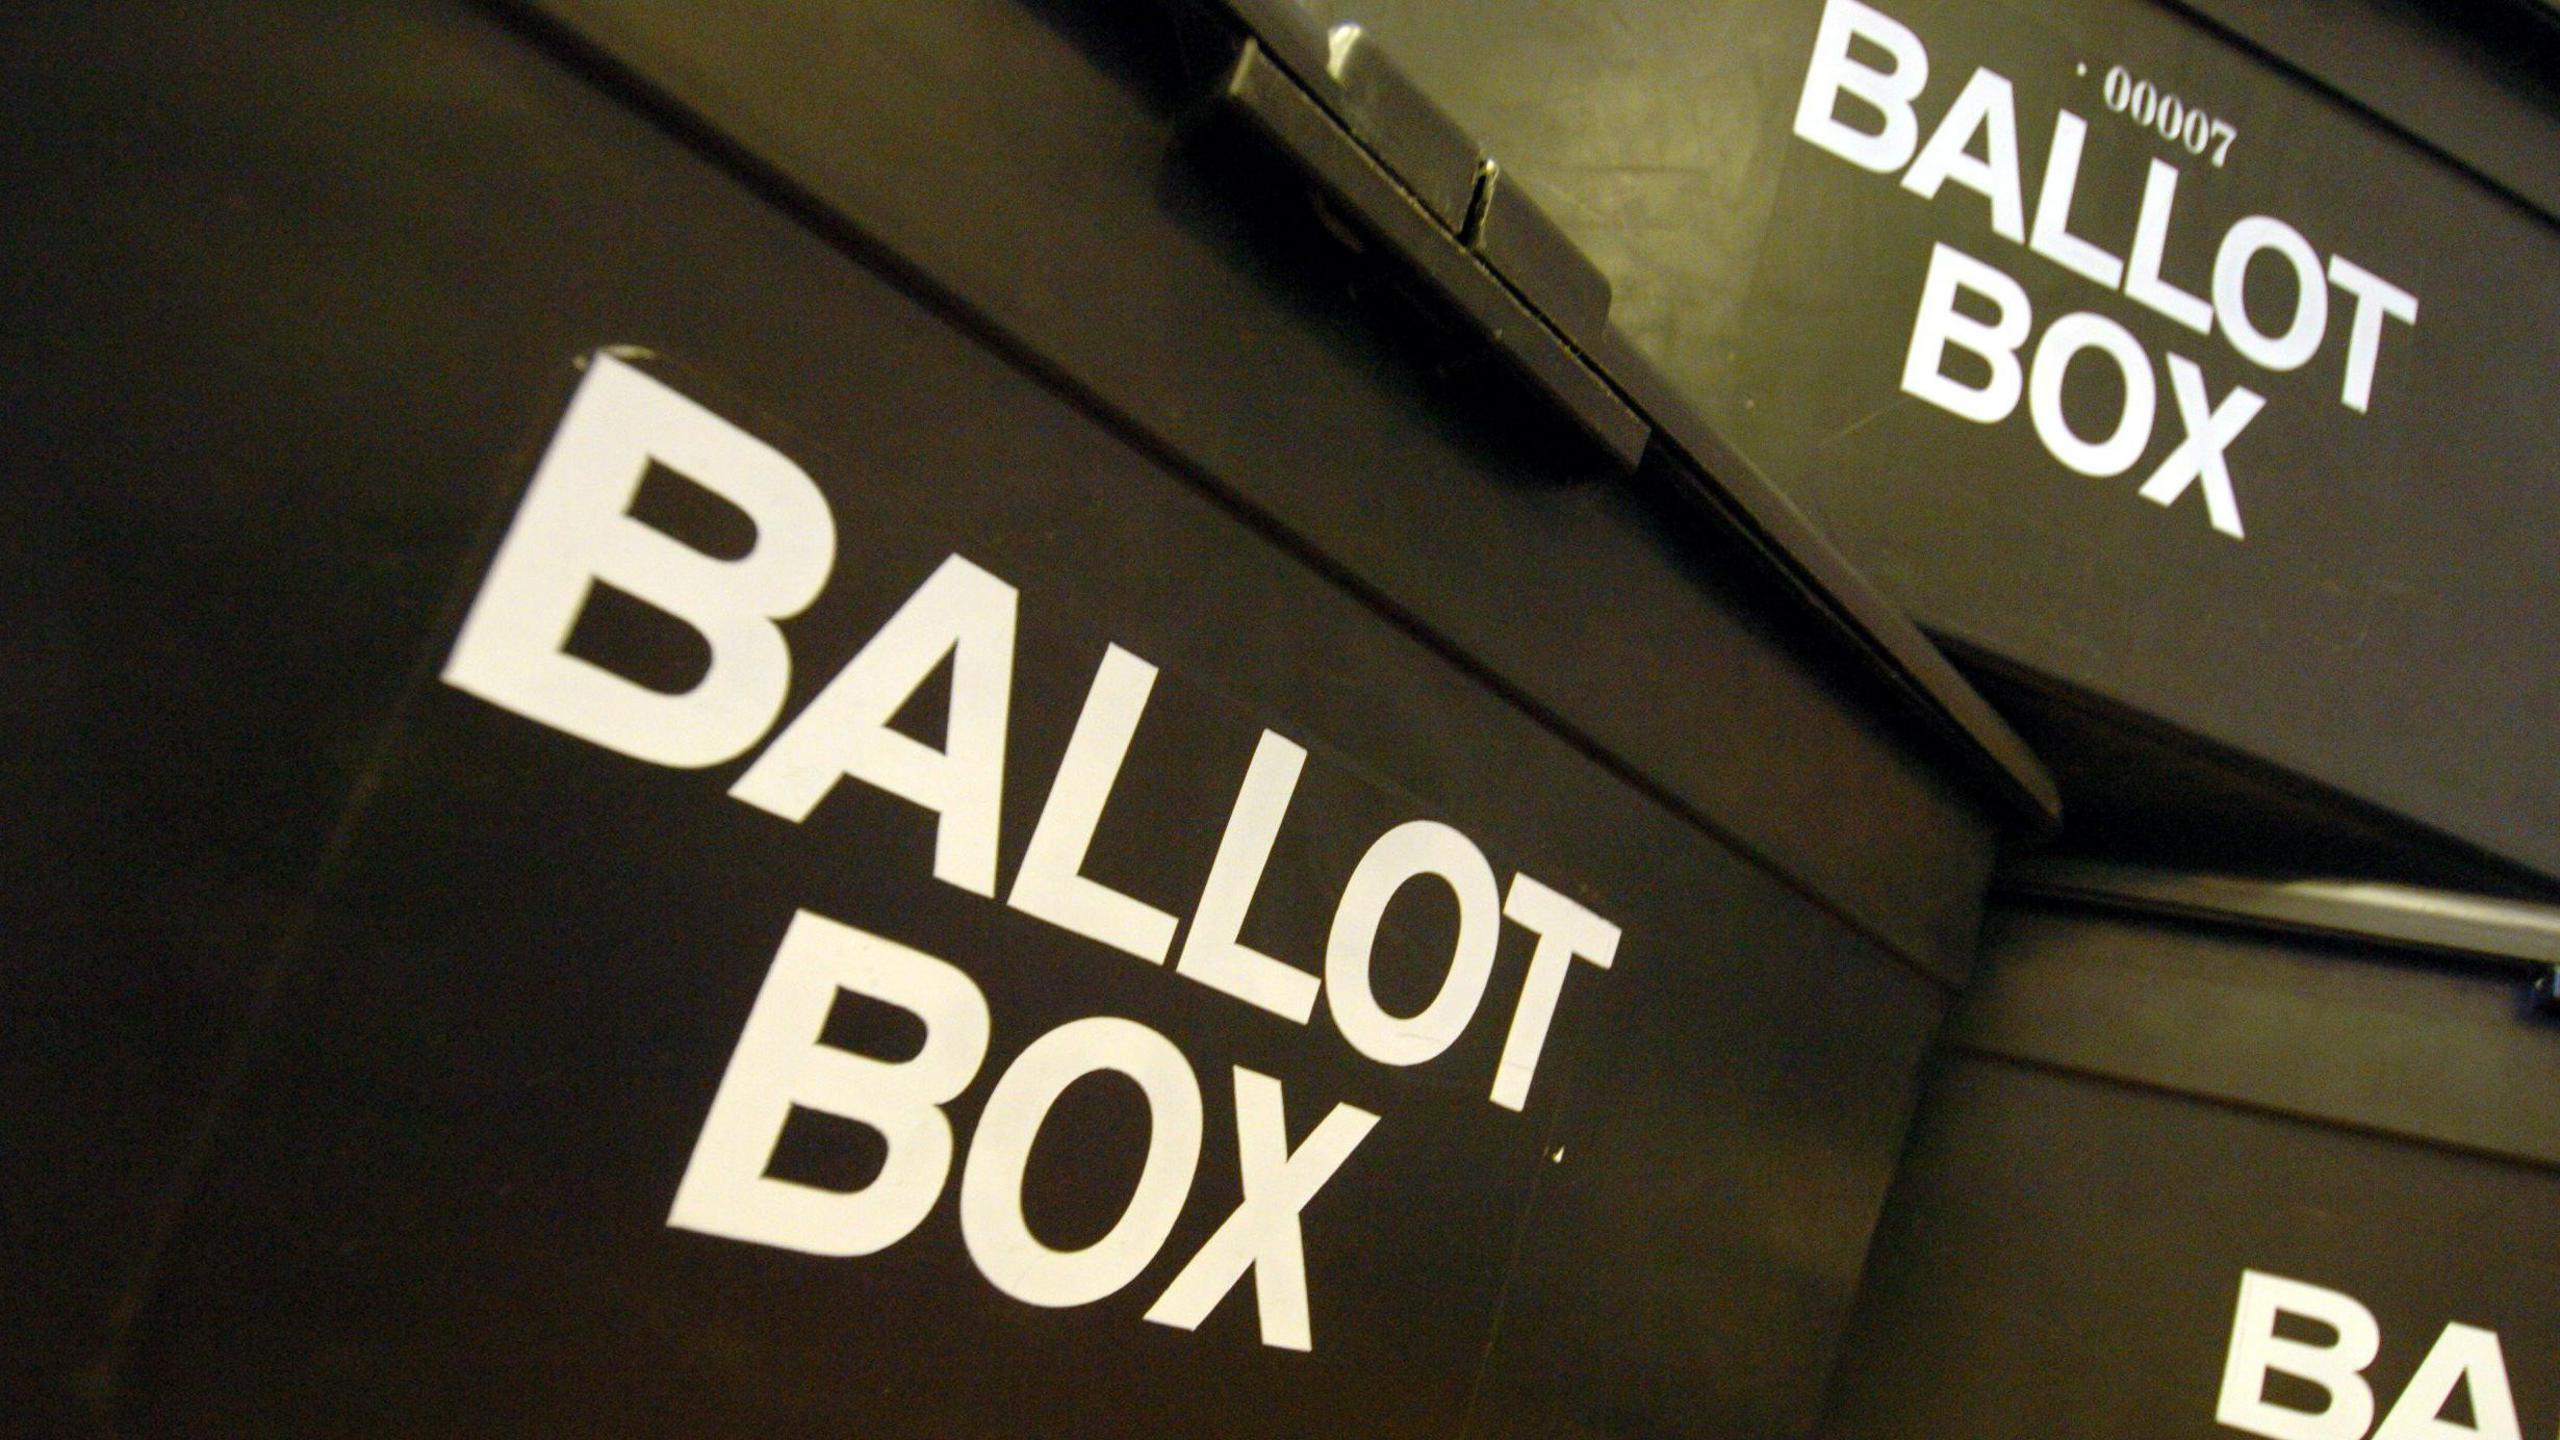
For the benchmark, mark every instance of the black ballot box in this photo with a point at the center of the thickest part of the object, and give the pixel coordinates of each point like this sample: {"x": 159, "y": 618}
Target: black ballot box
{"x": 923, "y": 720}
{"x": 2212, "y": 1157}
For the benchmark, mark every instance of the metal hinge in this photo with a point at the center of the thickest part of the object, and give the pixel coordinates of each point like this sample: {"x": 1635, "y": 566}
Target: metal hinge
{"x": 1391, "y": 162}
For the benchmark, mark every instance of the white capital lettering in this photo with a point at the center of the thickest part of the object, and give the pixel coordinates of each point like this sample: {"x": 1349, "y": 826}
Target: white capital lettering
{"x": 2463, "y": 1355}
{"x": 2053, "y": 238}
{"x": 1566, "y": 932}
{"x": 1050, "y": 883}
{"x": 574, "y": 530}
{"x": 2244, "y": 242}
{"x": 1939, "y": 324}
{"x": 2067, "y": 337}
{"x": 780, "y": 1063}
{"x": 1211, "y": 953}
{"x": 1890, "y": 92}
{"x": 2142, "y": 282}
{"x": 1986, "y": 104}
{"x": 2375, "y": 298}
{"x": 2337, "y": 1368}
{"x": 1413, "y": 849}
{"x": 960, "y": 611}
{"x": 992, "y": 1225}
{"x": 1263, "y": 1234}
{"x": 2210, "y": 431}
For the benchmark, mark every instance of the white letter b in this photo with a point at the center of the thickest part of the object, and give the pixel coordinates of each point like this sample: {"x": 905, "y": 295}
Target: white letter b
{"x": 780, "y": 1063}
{"x": 2337, "y": 1368}
{"x": 1996, "y": 344}
{"x": 574, "y": 529}
{"x": 1889, "y": 91}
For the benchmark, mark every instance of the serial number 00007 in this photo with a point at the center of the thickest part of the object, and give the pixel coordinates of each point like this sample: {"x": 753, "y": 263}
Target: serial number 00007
{"x": 2152, "y": 108}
